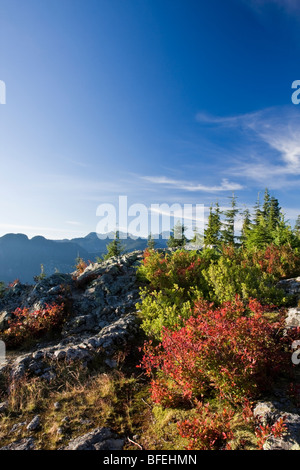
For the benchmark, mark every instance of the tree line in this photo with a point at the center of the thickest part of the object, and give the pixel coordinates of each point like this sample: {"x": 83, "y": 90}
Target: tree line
{"x": 264, "y": 226}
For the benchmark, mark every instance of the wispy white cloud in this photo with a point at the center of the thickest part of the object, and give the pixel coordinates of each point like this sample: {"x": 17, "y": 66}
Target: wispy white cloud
{"x": 225, "y": 185}
{"x": 271, "y": 144}
{"x": 206, "y": 118}
{"x": 73, "y": 222}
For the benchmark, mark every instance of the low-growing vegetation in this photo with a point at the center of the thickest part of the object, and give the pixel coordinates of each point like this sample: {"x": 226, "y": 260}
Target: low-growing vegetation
{"x": 27, "y": 325}
{"x": 213, "y": 342}
{"x": 215, "y": 323}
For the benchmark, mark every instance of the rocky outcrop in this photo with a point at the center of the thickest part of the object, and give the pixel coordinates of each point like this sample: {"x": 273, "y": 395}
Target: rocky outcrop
{"x": 280, "y": 404}
{"x": 291, "y": 286}
{"x": 101, "y": 320}
{"x": 98, "y": 439}
{"x": 101, "y": 314}
{"x": 268, "y": 413}
{"x": 22, "y": 444}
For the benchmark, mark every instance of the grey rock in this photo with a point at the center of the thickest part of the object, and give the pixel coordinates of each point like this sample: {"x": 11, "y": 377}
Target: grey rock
{"x": 98, "y": 439}
{"x": 265, "y": 413}
{"x": 18, "y": 371}
{"x": 23, "y": 444}
{"x": 111, "y": 363}
{"x": 290, "y": 440}
{"x": 17, "y": 427}
{"x": 4, "y": 319}
{"x": 35, "y": 424}
{"x": 102, "y": 319}
{"x": 290, "y": 286}
{"x": 3, "y": 407}
{"x": 293, "y": 318}
{"x": 48, "y": 376}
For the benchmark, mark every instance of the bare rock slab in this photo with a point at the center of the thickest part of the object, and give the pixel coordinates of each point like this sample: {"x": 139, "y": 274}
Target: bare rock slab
{"x": 98, "y": 439}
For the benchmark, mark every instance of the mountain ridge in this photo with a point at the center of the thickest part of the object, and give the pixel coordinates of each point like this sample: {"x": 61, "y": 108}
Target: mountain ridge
{"x": 21, "y": 257}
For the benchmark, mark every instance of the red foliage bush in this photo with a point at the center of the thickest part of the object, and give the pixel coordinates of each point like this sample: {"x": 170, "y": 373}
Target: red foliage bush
{"x": 183, "y": 268}
{"x": 280, "y": 261}
{"x": 27, "y": 324}
{"x": 210, "y": 430}
{"x": 263, "y": 432}
{"x": 232, "y": 350}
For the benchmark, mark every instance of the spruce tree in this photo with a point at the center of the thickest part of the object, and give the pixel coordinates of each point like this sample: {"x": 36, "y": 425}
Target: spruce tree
{"x": 151, "y": 242}
{"x": 283, "y": 233}
{"x": 257, "y": 212}
{"x": 266, "y": 205}
{"x": 260, "y": 235}
{"x": 115, "y": 247}
{"x": 246, "y": 228}
{"x": 212, "y": 230}
{"x": 177, "y": 238}
{"x": 274, "y": 213}
{"x": 228, "y": 236}
{"x": 197, "y": 238}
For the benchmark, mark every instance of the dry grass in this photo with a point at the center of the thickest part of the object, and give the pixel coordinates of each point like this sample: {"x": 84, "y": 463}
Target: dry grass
{"x": 78, "y": 400}
{"x": 73, "y": 403}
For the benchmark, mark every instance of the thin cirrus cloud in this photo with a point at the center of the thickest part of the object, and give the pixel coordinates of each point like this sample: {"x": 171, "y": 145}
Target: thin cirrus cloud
{"x": 187, "y": 186}
{"x": 271, "y": 144}
{"x": 73, "y": 222}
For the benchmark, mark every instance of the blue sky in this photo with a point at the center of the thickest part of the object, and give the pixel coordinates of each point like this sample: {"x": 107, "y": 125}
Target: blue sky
{"x": 164, "y": 101}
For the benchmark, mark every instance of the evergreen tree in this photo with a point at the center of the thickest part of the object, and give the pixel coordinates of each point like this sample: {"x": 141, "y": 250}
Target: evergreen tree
{"x": 228, "y": 236}
{"x": 212, "y": 230}
{"x": 283, "y": 233}
{"x": 257, "y": 212}
{"x": 271, "y": 212}
{"x": 177, "y": 238}
{"x": 115, "y": 247}
{"x": 195, "y": 237}
{"x": 40, "y": 276}
{"x": 246, "y": 228}
{"x": 266, "y": 205}
{"x": 260, "y": 235}
{"x": 151, "y": 242}
{"x": 274, "y": 213}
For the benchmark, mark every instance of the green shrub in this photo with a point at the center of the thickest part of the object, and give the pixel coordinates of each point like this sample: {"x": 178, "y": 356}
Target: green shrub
{"x": 229, "y": 277}
{"x": 168, "y": 308}
{"x": 182, "y": 268}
